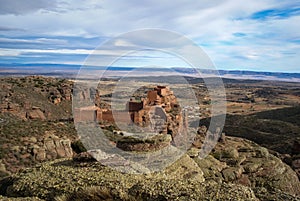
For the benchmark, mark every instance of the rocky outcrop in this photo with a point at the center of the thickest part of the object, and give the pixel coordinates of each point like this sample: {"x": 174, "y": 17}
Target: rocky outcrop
{"x": 52, "y": 147}
{"x": 60, "y": 93}
{"x": 151, "y": 144}
{"x": 35, "y": 113}
{"x": 239, "y": 170}
{"x": 37, "y": 149}
{"x": 243, "y": 162}
{"x": 185, "y": 169}
{"x": 36, "y": 97}
{"x": 3, "y": 171}
{"x": 65, "y": 91}
{"x": 63, "y": 178}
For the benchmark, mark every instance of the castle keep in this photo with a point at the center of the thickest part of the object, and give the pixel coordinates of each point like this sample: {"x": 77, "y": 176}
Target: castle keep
{"x": 159, "y": 110}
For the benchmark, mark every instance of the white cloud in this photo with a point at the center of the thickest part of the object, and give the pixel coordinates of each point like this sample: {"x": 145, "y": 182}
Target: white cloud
{"x": 215, "y": 24}
{"x": 17, "y": 52}
{"x": 19, "y": 7}
{"x": 9, "y": 53}
{"x": 30, "y": 41}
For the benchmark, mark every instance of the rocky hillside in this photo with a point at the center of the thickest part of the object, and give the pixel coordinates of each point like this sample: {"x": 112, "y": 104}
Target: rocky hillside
{"x": 39, "y": 160}
{"x": 278, "y": 130}
{"x": 36, "y": 97}
{"x": 35, "y": 121}
{"x": 237, "y": 170}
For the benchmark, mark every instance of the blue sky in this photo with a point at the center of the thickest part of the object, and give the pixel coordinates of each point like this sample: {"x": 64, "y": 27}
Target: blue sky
{"x": 236, "y": 35}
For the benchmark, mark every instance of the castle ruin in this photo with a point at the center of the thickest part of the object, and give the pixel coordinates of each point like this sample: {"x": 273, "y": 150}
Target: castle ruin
{"x": 159, "y": 110}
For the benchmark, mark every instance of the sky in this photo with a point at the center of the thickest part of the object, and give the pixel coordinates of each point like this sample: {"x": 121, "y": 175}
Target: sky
{"x": 236, "y": 35}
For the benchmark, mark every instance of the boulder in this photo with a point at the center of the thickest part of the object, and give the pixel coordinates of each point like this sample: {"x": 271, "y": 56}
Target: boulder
{"x": 35, "y": 114}
{"x": 185, "y": 168}
{"x": 40, "y": 155}
{"x": 51, "y": 147}
{"x": 232, "y": 173}
{"x": 243, "y": 162}
{"x": 57, "y": 147}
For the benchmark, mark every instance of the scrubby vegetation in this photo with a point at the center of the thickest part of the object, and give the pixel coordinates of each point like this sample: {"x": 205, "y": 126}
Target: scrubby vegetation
{"x": 274, "y": 129}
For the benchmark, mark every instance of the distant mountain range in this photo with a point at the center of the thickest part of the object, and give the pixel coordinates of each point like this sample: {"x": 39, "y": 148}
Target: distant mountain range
{"x": 71, "y": 71}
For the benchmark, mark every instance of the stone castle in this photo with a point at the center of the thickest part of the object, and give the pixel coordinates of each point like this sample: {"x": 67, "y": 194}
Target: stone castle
{"x": 159, "y": 110}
